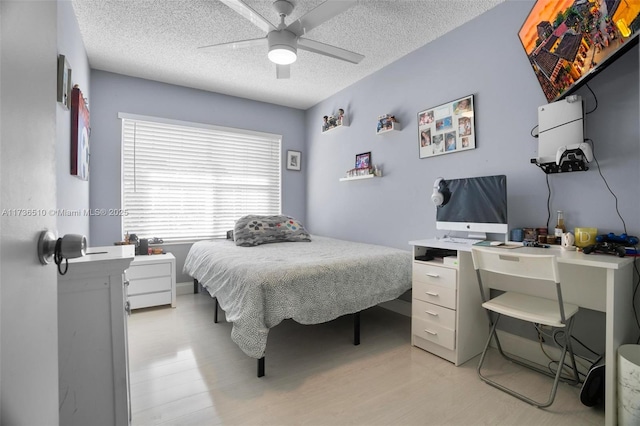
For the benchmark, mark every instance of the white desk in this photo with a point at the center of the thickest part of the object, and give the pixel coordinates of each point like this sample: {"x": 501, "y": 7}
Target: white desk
{"x": 595, "y": 281}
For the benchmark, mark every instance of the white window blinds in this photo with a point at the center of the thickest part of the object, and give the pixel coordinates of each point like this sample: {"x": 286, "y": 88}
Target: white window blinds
{"x": 186, "y": 181}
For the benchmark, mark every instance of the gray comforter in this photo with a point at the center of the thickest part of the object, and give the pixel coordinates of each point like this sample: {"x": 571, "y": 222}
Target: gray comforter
{"x": 310, "y": 282}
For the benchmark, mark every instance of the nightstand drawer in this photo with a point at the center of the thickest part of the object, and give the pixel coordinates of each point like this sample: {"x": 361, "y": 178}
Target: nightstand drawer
{"x": 151, "y": 299}
{"x": 433, "y": 313}
{"x": 149, "y": 285}
{"x": 436, "y": 294}
{"x": 436, "y": 275}
{"x": 148, "y": 271}
{"x": 435, "y": 333}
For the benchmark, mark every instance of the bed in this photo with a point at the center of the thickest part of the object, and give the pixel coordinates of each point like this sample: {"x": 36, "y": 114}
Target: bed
{"x": 310, "y": 282}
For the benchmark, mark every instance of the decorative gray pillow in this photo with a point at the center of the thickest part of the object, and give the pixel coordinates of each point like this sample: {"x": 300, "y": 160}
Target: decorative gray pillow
{"x": 253, "y": 230}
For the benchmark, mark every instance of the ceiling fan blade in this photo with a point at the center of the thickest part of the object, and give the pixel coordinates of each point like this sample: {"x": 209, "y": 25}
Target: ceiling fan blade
{"x": 320, "y": 14}
{"x": 282, "y": 71}
{"x": 253, "y": 16}
{"x": 328, "y": 50}
{"x": 235, "y": 45}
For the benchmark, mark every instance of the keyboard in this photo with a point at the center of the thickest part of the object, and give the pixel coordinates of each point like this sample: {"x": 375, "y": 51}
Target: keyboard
{"x": 456, "y": 240}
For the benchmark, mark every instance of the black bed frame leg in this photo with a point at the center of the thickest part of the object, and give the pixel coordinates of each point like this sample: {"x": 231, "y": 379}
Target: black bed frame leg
{"x": 196, "y": 286}
{"x": 261, "y": 367}
{"x": 215, "y": 314}
{"x": 356, "y": 328}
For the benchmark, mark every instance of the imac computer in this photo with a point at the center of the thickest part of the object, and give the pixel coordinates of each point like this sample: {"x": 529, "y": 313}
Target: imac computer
{"x": 476, "y": 206}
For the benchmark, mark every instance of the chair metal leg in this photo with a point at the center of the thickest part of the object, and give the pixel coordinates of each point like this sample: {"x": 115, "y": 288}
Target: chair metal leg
{"x": 565, "y": 348}
{"x": 215, "y": 315}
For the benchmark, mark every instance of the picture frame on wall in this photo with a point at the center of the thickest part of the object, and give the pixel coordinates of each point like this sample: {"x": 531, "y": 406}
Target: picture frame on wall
{"x": 363, "y": 161}
{"x": 80, "y": 133}
{"x": 447, "y": 128}
{"x": 293, "y": 160}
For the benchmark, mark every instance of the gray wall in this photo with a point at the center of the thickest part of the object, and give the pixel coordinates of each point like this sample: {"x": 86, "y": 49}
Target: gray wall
{"x": 484, "y": 58}
{"x": 114, "y": 93}
{"x": 72, "y": 193}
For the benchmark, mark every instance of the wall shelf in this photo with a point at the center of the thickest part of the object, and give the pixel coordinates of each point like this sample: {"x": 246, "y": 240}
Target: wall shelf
{"x": 335, "y": 123}
{"x": 369, "y": 176}
{"x": 395, "y": 126}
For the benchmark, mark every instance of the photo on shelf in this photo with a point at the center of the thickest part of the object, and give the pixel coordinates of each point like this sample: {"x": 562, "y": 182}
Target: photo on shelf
{"x": 363, "y": 161}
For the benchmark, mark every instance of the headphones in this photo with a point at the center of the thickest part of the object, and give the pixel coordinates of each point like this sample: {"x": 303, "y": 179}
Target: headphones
{"x": 440, "y": 192}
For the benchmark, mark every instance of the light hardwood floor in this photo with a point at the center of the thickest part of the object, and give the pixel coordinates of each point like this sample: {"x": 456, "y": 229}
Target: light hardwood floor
{"x": 185, "y": 370}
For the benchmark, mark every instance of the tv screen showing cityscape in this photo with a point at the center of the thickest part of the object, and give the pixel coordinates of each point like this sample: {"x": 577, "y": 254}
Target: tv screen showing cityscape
{"x": 569, "y": 41}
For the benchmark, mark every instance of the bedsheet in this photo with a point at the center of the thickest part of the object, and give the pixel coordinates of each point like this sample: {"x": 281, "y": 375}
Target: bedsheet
{"x": 309, "y": 282}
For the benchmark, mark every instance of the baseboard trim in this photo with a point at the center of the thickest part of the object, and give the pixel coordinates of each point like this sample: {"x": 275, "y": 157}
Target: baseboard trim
{"x": 184, "y": 288}
{"x": 397, "y": 305}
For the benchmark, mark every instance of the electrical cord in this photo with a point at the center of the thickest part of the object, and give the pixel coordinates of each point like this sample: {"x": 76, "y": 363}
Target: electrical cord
{"x": 594, "y": 97}
{"x": 624, "y": 227}
{"x": 566, "y": 367}
{"x": 58, "y": 258}
{"x": 548, "y": 200}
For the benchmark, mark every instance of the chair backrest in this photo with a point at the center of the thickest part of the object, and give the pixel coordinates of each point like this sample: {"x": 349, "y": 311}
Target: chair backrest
{"x": 532, "y": 274}
{"x": 530, "y": 266}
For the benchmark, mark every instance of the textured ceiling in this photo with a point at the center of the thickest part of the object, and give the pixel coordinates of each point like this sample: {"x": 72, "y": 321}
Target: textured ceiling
{"x": 158, "y": 40}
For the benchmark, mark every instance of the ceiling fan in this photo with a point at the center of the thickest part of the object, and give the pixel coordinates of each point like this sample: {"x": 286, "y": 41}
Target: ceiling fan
{"x": 284, "y": 40}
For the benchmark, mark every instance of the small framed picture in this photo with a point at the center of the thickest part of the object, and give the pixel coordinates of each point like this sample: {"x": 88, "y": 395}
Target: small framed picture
{"x": 363, "y": 161}
{"x": 293, "y": 160}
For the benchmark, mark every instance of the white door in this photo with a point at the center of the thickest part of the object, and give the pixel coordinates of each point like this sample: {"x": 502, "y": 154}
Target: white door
{"x": 28, "y": 290}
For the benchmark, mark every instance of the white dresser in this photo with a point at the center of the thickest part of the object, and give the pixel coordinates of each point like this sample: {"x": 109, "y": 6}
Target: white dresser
{"x": 92, "y": 339}
{"x": 152, "y": 281}
{"x": 447, "y": 318}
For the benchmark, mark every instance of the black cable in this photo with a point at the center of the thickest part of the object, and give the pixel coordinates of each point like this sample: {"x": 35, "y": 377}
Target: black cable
{"x": 57, "y": 257}
{"x": 594, "y": 97}
{"x": 548, "y": 200}
{"x": 532, "y": 135}
{"x": 624, "y": 226}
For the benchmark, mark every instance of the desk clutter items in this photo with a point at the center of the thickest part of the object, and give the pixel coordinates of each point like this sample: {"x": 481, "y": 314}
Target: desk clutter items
{"x": 143, "y": 245}
{"x": 613, "y": 244}
{"x": 437, "y": 254}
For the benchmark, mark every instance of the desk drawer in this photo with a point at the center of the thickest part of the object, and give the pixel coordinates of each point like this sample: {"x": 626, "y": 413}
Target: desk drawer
{"x": 431, "y": 274}
{"x": 435, "y": 314}
{"x": 443, "y": 336}
{"x": 149, "y": 285}
{"x": 148, "y": 271}
{"x": 442, "y": 296}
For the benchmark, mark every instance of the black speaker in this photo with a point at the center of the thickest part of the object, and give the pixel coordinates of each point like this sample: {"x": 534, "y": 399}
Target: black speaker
{"x": 143, "y": 247}
{"x": 592, "y": 392}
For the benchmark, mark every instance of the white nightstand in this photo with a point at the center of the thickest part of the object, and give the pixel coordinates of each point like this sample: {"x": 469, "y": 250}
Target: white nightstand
{"x": 152, "y": 281}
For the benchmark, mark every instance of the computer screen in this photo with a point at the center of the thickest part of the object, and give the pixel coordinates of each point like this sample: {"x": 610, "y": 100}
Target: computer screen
{"x": 476, "y": 205}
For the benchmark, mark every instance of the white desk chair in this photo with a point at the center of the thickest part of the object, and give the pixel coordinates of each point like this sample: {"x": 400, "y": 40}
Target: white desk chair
{"x": 539, "y": 271}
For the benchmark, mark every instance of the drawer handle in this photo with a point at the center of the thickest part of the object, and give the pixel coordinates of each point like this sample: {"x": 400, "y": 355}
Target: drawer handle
{"x": 127, "y": 307}
{"x": 433, "y": 275}
{"x": 433, "y": 333}
{"x": 430, "y": 293}
{"x": 435, "y": 314}
{"x": 126, "y": 283}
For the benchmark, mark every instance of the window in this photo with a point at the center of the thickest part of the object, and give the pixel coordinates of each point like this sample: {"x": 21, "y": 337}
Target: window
{"x": 187, "y": 181}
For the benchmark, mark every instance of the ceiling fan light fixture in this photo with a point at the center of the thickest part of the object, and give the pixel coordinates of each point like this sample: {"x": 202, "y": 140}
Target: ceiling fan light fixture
{"x": 282, "y": 47}
{"x": 282, "y": 55}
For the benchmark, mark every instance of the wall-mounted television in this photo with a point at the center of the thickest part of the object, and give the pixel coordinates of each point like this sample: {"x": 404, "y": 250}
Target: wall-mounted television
{"x": 570, "y": 41}
{"x": 476, "y": 205}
